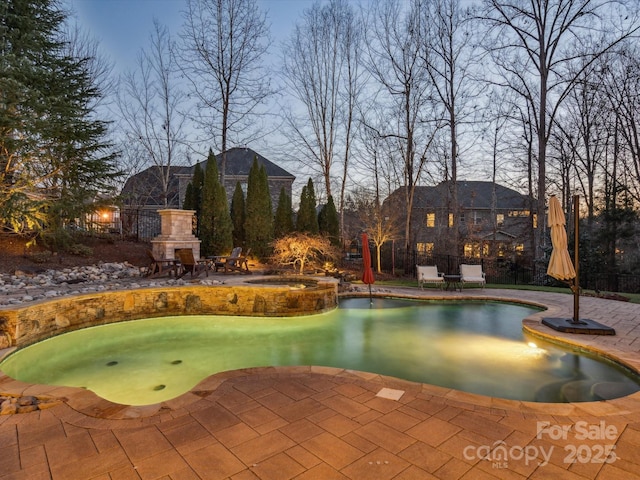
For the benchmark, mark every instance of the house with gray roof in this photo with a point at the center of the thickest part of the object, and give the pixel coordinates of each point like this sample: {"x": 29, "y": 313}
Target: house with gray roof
{"x": 145, "y": 188}
{"x": 143, "y": 192}
{"x": 492, "y": 220}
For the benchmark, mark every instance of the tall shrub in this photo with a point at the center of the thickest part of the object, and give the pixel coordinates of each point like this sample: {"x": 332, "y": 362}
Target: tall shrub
{"x": 258, "y": 226}
{"x": 307, "y": 221}
{"x": 329, "y": 223}
{"x": 238, "y": 216}
{"x": 193, "y": 195}
{"x": 283, "y": 220}
{"x": 215, "y": 220}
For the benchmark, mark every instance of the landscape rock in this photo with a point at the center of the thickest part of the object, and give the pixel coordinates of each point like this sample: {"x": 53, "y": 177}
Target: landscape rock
{"x": 37, "y": 284}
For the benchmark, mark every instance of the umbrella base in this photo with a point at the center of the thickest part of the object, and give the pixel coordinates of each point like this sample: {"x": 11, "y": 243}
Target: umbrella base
{"x": 584, "y": 326}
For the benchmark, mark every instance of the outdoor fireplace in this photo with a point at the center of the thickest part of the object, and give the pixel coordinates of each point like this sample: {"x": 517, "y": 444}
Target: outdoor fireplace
{"x": 175, "y": 233}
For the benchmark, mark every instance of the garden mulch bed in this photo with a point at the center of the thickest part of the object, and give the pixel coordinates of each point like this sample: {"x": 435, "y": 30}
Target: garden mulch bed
{"x": 15, "y": 255}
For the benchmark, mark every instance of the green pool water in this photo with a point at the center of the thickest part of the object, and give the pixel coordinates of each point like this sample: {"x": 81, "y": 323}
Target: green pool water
{"x": 475, "y": 347}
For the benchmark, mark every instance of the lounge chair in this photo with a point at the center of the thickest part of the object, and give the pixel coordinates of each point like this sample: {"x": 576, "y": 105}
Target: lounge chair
{"x": 472, "y": 274}
{"x": 429, "y": 274}
{"x": 188, "y": 263}
{"x": 158, "y": 267}
{"x": 235, "y": 262}
{"x": 220, "y": 261}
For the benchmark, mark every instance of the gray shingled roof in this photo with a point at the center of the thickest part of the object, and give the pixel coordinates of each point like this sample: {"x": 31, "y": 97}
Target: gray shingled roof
{"x": 239, "y": 161}
{"x": 471, "y": 194}
{"x": 146, "y": 188}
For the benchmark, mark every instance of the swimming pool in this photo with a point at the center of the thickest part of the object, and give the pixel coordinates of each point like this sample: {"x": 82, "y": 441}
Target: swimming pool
{"x": 473, "y": 346}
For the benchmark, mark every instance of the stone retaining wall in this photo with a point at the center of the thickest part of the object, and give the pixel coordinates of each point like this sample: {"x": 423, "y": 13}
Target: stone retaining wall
{"x": 29, "y": 324}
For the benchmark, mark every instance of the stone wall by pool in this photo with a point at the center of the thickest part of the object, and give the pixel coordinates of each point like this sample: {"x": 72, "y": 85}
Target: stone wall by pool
{"x": 30, "y": 323}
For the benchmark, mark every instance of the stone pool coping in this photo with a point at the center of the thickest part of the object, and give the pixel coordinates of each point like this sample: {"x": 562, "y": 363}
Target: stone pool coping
{"x": 624, "y": 347}
{"x": 24, "y": 324}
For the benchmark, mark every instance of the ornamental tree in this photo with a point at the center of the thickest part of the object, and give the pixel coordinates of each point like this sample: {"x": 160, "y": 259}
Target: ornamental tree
{"x": 301, "y": 250}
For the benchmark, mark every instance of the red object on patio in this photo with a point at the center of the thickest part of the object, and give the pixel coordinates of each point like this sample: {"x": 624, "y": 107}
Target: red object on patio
{"x": 367, "y": 273}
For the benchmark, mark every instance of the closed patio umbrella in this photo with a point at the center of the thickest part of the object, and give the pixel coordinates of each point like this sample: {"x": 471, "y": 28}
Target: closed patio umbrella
{"x": 561, "y": 268}
{"x": 367, "y": 272}
{"x": 560, "y": 265}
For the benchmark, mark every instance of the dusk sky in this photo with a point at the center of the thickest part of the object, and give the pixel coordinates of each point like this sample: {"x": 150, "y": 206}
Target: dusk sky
{"x": 123, "y": 26}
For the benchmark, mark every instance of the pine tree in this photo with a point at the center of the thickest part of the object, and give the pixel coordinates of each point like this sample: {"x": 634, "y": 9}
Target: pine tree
{"x": 215, "y": 222}
{"x": 54, "y": 159}
{"x": 258, "y": 224}
{"x": 329, "y": 223}
{"x": 238, "y": 216}
{"x": 193, "y": 194}
{"x": 307, "y": 221}
{"x": 189, "y": 198}
{"x": 283, "y": 221}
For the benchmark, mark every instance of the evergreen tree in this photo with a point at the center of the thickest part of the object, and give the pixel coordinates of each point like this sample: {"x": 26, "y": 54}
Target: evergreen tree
{"x": 307, "y": 221}
{"x": 258, "y": 224}
{"x": 214, "y": 221}
{"x": 283, "y": 221}
{"x": 193, "y": 195}
{"x": 238, "y": 216}
{"x": 54, "y": 159}
{"x": 189, "y": 198}
{"x": 329, "y": 223}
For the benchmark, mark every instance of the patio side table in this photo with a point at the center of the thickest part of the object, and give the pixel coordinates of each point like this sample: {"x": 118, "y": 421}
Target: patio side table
{"x": 454, "y": 281}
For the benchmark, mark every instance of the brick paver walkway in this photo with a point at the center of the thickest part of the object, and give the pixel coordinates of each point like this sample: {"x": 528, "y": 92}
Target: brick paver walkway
{"x": 321, "y": 423}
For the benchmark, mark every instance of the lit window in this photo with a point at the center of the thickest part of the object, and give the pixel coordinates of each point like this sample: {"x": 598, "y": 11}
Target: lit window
{"x": 535, "y": 220}
{"x": 520, "y": 248}
{"x": 426, "y": 248}
{"x": 500, "y": 219}
{"x": 431, "y": 220}
{"x": 472, "y": 250}
{"x": 519, "y": 213}
{"x": 451, "y": 220}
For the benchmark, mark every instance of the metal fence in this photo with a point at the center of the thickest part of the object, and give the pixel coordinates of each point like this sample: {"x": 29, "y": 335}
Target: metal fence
{"x": 505, "y": 272}
{"x": 141, "y": 225}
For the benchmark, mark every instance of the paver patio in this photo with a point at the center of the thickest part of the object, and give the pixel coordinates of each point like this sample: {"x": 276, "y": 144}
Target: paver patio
{"x": 324, "y": 423}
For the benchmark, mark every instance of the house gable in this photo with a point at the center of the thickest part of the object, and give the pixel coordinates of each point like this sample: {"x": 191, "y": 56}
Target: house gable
{"x": 145, "y": 188}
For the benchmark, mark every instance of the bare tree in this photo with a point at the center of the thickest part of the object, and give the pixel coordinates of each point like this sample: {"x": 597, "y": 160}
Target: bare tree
{"x": 150, "y": 103}
{"x": 621, "y": 83}
{"x": 450, "y": 58}
{"x": 381, "y": 226}
{"x": 584, "y": 125}
{"x": 321, "y": 65}
{"x": 535, "y": 47}
{"x": 224, "y": 42}
{"x": 395, "y": 40}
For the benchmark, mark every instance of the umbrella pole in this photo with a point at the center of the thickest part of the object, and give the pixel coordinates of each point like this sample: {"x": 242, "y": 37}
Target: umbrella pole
{"x": 575, "y": 324}
{"x": 576, "y": 259}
